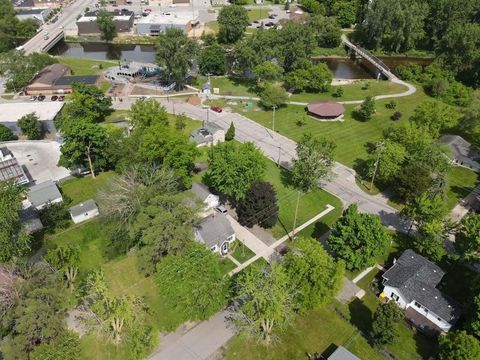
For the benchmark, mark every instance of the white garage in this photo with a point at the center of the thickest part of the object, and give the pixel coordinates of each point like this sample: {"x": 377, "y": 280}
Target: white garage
{"x": 84, "y": 211}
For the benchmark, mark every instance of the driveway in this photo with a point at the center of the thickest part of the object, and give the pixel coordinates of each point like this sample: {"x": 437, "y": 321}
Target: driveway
{"x": 249, "y": 239}
{"x": 40, "y": 158}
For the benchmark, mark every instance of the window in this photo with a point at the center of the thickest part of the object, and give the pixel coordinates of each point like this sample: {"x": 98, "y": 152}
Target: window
{"x": 439, "y": 319}
{"x": 417, "y": 305}
{"x": 395, "y": 296}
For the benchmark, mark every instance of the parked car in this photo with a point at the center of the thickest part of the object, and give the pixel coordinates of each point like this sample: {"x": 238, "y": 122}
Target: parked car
{"x": 221, "y": 209}
{"x": 217, "y": 109}
{"x": 54, "y": 98}
{"x": 61, "y": 98}
{"x": 255, "y": 21}
{"x": 33, "y": 98}
{"x": 41, "y": 97}
{"x": 269, "y": 24}
{"x": 271, "y": 16}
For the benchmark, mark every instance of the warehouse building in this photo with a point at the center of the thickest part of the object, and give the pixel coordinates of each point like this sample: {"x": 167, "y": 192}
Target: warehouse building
{"x": 154, "y": 24}
{"x": 123, "y": 20}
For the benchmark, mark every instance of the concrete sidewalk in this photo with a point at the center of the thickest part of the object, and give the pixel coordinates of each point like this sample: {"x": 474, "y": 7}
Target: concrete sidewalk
{"x": 246, "y": 237}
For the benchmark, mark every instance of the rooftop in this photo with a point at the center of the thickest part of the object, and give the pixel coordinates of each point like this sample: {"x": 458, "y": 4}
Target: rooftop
{"x": 200, "y": 190}
{"x": 118, "y": 15}
{"x": 82, "y": 208}
{"x": 461, "y": 150}
{"x": 326, "y": 108}
{"x": 43, "y": 193}
{"x": 172, "y": 19}
{"x": 51, "y": 73}
{"x": 215, "y": 229}
{"x": 342, "y": 354}
{"x": 69, "y": 80}
{"x": 11, "y": 170}
{"x": 30, "y": 11}
{"x": 11, "y": 112}
{"x": 30, "y": 220}
{"x": 416, "y": 278}
{"x": 204, "y": 134}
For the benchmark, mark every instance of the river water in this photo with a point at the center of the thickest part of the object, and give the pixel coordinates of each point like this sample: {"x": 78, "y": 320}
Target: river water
{"x": 342, "y": 68}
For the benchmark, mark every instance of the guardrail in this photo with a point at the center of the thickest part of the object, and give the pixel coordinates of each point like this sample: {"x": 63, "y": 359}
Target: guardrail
{"x": 370, "y": 57}
{"x": 56, "y": 38}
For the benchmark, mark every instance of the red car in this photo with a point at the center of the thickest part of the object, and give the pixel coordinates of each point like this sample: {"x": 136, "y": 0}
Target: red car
{"x": 217, "y": 109}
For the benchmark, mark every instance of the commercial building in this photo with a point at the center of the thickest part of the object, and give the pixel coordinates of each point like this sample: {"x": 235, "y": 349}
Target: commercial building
{"x": 10, "y": 169}
{"x": 123, "y": 20}
{"x": 47, "y": 112}
{"x": 36, "y": 3}
{"x": 154, "y": 23}
{"x": 40, "y": 15}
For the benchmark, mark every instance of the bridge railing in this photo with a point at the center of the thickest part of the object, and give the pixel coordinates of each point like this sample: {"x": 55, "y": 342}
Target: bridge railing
{"x": 368, "y": 55}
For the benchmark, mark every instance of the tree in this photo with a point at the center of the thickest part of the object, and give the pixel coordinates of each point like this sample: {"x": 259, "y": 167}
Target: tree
{"x": 180, "y": 122}
{"x": 55, "y": 216}
{"x": 169, "y": 148}
{"x": 262, "y": 300}
{"x": 430, "y": 243}
{"x": 315, "y": 276}
{"x": 212, "y": 60}
{"x": 470, "y": 120}
{"x": 176, "y": 54}
{"x": 259, "y": 206}
{"x": 13, "y": 31}
{"x": 473, "y": 324}
{"x": 384, "y": 329}
{"x": 106, "y": 25}
{"x": 459, "y": 345}
{"x": 313, "y": 6}
{"x": 325, "y": 31}
{"x": 65, "y": 258}
{"x": 192, "y": 282}
{"x": 345, "y": 12}
{"x": 268, "y": 71}
{"x": 467, "y": 238}
{"x": 232, "y": 22}
{"x": 87, "y": 103}
{"x": 5, "y": 133}
{"x": 413, "y": 181}
{"x": 314, "y": 162}
{"x": 230, "y": 134}
{"x": 435, "y": 117}
{"x": 358, "y": 238}
{"x": 14, "y": 240}
{"x": 84, "y": 146}
{"x": 386, "y": 160}
{"x": 65, "y": 347}
{"x": 424, "y": 209}
{"x": 320, "y": 78}
{"x": 233, "y": 168}
{"x": 31, "y": 126}
{"x": 272, "y": 96}
{"x": 367, "y": 109}
{"x": 147, "y": 113}
{"x": 297, "y": 80}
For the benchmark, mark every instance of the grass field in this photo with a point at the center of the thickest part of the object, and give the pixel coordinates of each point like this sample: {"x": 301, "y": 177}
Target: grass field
{"x": 230, "y": 85}
{"x": 310, "y": 205}
{"x": 461, "y": 182}
{"x": 356, "y": 91}
{"x": 314, "y": 332}
{"x": 85, "y": 66}
{"x": 241, "y": 252}
{"x": 81, "y": 189}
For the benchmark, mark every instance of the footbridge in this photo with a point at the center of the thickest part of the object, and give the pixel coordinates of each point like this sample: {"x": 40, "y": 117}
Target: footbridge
{"x": 365, "y": 54}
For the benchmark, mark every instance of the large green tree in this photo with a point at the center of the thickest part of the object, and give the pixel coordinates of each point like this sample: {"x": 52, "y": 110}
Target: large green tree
{"x": 65, "y": 347}
{"x": 31, "y": 126}
{"x": 14, "y": 240}
{"x": 5, "y": 133}
{"x": 272, "y": 96}
{"x": 232, "y": 22}
{"x": 385, "y": 161}
{"x": 233, "y": 168}
{"x": 260, "y": 206}
{"x": 459, "y": 345}
{"x": 314, "y": 162}
{"x": 84, "y": 145}
{"x": 358, "y": 238}
{"x": 314, "y": 275}
{"x": 263, "y": 301}
{"x": 147, "y": 113}
{"x": 467, "y": 238}
{"x": 384, "y": 324}
{"x": 192, "y": 282}
{"x": 106, "y": 25}
{"x": 435, "y": 117}
{"x": 13, "y": 31}
{"x": 212, "y": 60}
{"x": 176, "y": 54}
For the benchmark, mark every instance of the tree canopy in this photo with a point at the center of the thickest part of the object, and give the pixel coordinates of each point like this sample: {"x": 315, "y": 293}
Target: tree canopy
{"x": 260, "y": 206}
{"x": 212, "y": 60}
{"x": 106, "y": 25}
{"x": 459, "y": 345}
{"x": 232, "y": 22}
{"x": 31, "y": 126}
{"x": 384, "y": 325}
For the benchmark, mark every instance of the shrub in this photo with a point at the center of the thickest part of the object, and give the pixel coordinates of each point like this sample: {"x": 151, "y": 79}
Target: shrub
{"x": 5, "y": 133}
{"x": 339, "y": 92}
{"x": 392, "y": 105}
{"x": 396, "y": 116}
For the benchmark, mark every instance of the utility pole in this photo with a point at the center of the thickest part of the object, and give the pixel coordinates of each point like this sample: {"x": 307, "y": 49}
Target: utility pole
{"x": 279, "y": 149}
{"x": 380, "y": 147}
{"x": 273, "y": 118}
{"x": 296, "y": 213}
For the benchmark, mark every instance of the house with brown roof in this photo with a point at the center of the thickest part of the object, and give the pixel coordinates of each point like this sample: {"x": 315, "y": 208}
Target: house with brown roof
{"x": 45, "y": 79}
{"x": 326, "y": 110}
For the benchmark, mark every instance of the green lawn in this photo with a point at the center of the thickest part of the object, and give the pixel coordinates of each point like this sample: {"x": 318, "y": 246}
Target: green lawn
{"x": 241, "y": 252}
{"x": 460, "y": 182}
{"x": 313, "y": 332}
{"x": 213, "y": 25}
{"x": 230, "y": 85}
{"x": 258, "y": 14}
{"x": 310, "y": 204}
{"x": 227, "y": 265}
{"x": 356, "y": 91}
{"x": 84, "y": 188}
{"x": 80, "y": 66}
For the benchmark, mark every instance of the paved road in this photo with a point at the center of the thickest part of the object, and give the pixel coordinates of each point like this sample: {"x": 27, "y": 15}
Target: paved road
{"x": 282, "y": 150}
{"x": 197, "y": 343}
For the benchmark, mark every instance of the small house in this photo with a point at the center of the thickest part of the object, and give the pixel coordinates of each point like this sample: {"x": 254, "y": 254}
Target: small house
{"x": 43, "y": 194}
{"x": 210, "y": 134}
{"x": 326, "y": 110}
{"x": 412, "y": 283}
{"x": 461, "y": 152}
{"x": 216, "y": 232}
{"x": 84, "y": 211}
{"x": 341, "y": 353}
{"x": 209, "y": 200}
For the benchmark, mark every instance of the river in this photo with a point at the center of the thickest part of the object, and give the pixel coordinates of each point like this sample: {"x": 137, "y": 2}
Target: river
{"x": 342, "y": 68}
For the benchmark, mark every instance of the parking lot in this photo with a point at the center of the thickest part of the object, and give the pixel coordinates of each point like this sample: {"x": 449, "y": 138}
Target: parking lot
{"x": 39, "y": 158}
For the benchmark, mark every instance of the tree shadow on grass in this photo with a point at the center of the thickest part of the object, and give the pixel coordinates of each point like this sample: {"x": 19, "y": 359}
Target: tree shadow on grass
{"x": 360, "y": 315}
{"x": 250, "y": 85}
{"x": 286, "y": 177}
{"x": 426, "y": 346}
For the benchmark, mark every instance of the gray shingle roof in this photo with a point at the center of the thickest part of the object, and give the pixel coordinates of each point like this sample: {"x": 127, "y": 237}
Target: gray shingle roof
{"x": 204, "y": 134}
{"x": 82, "y": 208}
{"x": 461, "y": 150}
{"x": 215, "y": 229}
{"x": 30, "y": 220}
{"x": 342, "y": 354}
{"x": 69, "y": 80}
{"x": 416, "y": 278}
{"x": 200, "y": 190}
{"x": 43, "y": 193}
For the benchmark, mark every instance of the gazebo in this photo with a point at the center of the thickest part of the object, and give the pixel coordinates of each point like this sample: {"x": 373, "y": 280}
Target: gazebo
{"x": 326, "y": 110}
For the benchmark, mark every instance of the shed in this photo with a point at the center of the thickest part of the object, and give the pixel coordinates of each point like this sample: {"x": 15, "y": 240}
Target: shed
{"x": 342, "y": 354}
{"x": 84, "y": 211}
{"x": 326, "y": 110}
{"x": 45, "y": 193}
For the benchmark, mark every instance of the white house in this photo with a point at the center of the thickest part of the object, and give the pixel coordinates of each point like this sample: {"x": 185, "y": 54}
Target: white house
{"x": 216, "y": 232}
{"x": 84, "y": 211}
{"x": 45, "y": 193}
{"x": 201, "y": 191}
{"x": 411, "y": 282}
{"x": 210, "y": 134}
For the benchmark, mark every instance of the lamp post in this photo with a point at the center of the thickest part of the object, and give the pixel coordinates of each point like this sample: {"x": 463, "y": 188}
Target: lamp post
{"x": 273, "y": 118}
